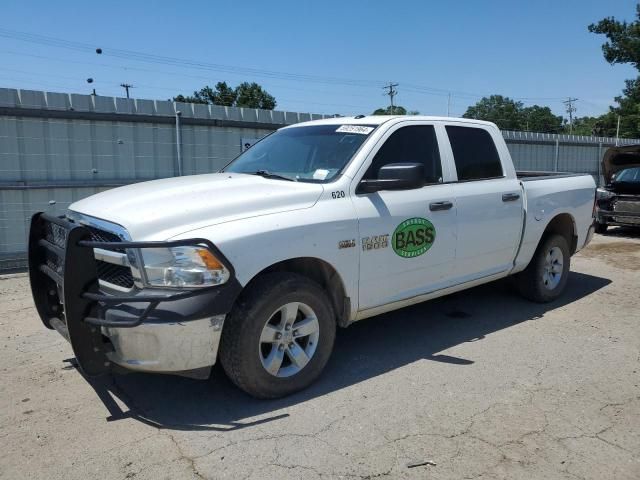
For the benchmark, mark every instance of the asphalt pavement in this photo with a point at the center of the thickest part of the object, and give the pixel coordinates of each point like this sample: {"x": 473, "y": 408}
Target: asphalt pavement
{"x": 480, "y": 384}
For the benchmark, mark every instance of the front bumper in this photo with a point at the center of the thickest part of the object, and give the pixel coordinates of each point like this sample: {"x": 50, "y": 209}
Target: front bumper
{"x": 169, "y": 347}
{"x": 618, "y": 218}
{"x": 155, "y": 330}
{"x": 619, "y": 210}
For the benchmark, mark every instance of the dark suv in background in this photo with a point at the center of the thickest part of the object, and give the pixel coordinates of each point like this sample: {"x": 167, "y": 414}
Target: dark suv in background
{"x": 618, "y": 202}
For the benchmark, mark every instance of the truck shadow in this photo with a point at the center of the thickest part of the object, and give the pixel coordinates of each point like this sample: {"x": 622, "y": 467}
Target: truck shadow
{"x": 362, "y": 351}
{"x": 623, "y": 232}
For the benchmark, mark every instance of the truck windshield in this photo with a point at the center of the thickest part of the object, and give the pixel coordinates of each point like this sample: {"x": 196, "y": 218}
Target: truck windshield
{"x": 310, "y": 154}
{"x": 628, "y": 175}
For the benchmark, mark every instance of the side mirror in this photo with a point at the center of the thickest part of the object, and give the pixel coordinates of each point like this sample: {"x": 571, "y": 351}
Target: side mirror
{"x": 395, "y": 176}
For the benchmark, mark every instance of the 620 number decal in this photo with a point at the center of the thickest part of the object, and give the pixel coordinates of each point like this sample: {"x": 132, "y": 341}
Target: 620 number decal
{"x": 338, "y": 194}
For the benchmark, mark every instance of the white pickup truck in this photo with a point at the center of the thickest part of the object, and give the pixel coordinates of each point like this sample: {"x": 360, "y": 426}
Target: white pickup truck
{"x": 318, "y": 225}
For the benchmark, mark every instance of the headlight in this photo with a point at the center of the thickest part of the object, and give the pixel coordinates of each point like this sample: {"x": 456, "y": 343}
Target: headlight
{"x": 183, "y": 267}
{"x": 602, "y": 194}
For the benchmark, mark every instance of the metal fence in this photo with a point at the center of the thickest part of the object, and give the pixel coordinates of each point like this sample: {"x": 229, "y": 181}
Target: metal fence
{"x": 58, "y": 148}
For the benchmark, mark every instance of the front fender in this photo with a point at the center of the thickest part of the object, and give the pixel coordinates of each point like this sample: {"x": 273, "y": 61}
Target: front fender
{"x": 254, "y": 244}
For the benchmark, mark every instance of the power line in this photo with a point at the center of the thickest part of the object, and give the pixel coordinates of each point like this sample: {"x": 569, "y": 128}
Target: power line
{"x": 199, "y": 65}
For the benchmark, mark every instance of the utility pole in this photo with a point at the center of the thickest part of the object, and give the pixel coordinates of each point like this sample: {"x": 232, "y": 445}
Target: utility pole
{"x": 126, "y": 86}
{"x": 570, "y": 109}
{"x": 392, "y": 93}
{"x": 618, "y": 131}
{"x": 449, "y": 105}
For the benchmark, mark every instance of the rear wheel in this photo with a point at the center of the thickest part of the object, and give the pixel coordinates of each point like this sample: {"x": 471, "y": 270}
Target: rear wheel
{"x": 546, "y": 276}
{"x": 601, "y": 227}
{"x": 278, "y": 338}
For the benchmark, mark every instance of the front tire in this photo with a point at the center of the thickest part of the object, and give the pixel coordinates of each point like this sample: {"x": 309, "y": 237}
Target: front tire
{"x": 279, "y": 336}
{"x": 545, "y": 278}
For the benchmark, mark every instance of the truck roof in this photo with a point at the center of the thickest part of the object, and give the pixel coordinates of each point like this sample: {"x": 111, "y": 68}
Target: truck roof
{"x": 380, "y": 119}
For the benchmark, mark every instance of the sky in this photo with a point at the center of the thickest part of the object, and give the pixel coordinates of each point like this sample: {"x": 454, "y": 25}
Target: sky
{"x": 323, "y": 57}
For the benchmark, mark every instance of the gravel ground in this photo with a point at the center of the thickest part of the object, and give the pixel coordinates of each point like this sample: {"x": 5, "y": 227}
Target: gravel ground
{"x": 481, "y": 384}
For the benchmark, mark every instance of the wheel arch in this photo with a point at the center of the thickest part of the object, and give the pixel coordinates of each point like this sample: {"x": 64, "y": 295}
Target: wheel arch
{"x": 565, "y": 225}
{"x": 321, "y": 272}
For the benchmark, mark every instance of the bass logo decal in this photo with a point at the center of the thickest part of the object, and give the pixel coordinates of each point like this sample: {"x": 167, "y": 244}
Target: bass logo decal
{"x": 413, "y": 237}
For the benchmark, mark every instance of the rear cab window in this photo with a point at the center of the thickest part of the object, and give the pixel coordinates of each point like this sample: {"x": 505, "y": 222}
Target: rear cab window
{"x": 474, "y": 153}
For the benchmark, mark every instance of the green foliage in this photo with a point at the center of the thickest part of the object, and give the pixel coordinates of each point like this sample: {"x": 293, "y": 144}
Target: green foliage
{"x": 249, "y": 95}
{"x": 540, "y": 119}
{"x": 188, "y": 99}
{"x": 623, "y": 44}
{"x": 628, "y": 109}
{"x": 503, "y": 111}
{"x": 397, "y": 110}
{"x": 252, "y": 95}
{"x": 509, "y": 114}
{"x": 589, "y": 126}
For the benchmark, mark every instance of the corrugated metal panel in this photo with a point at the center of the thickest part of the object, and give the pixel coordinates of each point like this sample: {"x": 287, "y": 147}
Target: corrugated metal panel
{"x": 90, "y": 143}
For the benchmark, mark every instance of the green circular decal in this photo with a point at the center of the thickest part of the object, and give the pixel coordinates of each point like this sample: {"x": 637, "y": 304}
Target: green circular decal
{"x": 413, "y": 237}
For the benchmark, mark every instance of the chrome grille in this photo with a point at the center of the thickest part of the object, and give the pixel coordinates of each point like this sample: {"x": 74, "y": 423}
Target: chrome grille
{"x": 626, "y": 206}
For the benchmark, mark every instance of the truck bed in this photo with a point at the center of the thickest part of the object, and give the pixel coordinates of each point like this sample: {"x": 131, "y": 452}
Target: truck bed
{"x": 527, "y": 176}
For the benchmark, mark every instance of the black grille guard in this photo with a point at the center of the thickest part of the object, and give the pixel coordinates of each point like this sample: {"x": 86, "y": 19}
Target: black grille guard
{"x": 65, "y": 288}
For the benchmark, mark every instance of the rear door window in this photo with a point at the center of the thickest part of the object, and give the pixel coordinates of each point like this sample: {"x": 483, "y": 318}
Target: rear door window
{"x": 474, "y": 153}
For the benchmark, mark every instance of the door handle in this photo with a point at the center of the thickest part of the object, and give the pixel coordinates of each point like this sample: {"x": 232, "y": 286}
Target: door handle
{"x": 510, "y": 197}
{"x": 435, "y": 206}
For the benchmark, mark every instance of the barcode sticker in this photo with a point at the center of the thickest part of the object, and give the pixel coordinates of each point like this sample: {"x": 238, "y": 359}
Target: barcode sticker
{"x": 361, "y": 129}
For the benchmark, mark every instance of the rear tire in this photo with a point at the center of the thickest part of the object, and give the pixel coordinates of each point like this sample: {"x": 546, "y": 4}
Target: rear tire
{"x": 279, "y": 336}
{"x": 545, "y": 278}
{"x": 601, "y": 227}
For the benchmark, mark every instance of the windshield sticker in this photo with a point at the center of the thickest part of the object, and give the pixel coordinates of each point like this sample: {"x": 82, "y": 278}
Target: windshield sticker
{"x": 361, "y": 129}
{"x": 320, "y": 174}
{"x": 413, "y": 237}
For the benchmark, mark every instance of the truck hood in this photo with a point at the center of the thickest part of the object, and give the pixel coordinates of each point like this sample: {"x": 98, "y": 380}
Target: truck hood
{"x": 619, "y": 158}
{"x": 161, "y": 209}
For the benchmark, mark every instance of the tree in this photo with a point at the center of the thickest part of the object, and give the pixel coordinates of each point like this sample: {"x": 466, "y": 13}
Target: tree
{"x": 397, "y": 110}
{"x": 250, "y": 95}
{"x": 503, "y": 111}
{"x": 624, "y": 39}
{"x": 623, "y": 46}
{"x": 188, "y": 99}
{"x": 221, "y": 95}
{"x": 628, "y": 109}
{"x": 590, "y": 126}
{"x": 509, "y": 114}
{"x": 540, "y": 119}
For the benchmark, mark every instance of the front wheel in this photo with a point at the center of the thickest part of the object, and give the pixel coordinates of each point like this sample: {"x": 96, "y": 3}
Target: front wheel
{"x": 278, "y": 338}
{"x": 546, "y": 276}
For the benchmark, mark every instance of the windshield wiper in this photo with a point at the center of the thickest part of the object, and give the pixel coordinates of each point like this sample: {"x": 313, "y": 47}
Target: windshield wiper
{"x": 268, "y": 174}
